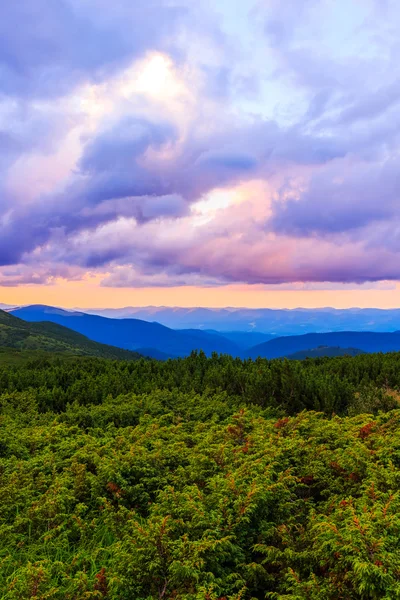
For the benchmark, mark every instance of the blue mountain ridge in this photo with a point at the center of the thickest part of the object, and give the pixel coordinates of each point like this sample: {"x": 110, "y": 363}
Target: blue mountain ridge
{"x": 277, "y": 322}
{"x": 131, "y": 334}
{"x": 163, "y": 342}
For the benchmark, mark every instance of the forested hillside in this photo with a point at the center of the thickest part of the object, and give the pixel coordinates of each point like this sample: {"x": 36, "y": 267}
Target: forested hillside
{"x": 50, "y": 337}
{"x": 367, "y": 341}
{"x": 323, "y": 351}
{"x": 200, "y": 479}
{"x": 131, "y": 334}
{"x": 158, "y": 341}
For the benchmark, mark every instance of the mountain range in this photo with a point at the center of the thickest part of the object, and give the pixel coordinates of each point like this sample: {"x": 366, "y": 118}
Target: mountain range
{"x": 275, "y": 322}
{"x": 161, "y": 342}
{"x": 366, "y": 341}
{"x": 132, "y": 334}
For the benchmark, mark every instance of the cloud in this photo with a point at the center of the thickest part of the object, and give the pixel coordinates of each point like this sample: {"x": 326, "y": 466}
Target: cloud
{"x": 126, "y": 162}
{"x": 227, "y": 160}
{"x": 129, "y": 277}
{"x": 149, "y": 142}
{"x": 49, "y": 46}
{"x": 119, "y": 146}
{"x": 30, "y": 274}
{"x": 231, "y": 247}
{"x": 342, "y": 196}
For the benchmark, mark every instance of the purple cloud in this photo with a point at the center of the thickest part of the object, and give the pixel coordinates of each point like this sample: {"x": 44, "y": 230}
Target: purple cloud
{"x": 123, "y": 176}
{"x": 49, "y": 46}
{"x": 118, "y": 147}
{"x": 341, "y": 197}
{"x": 113, "y": 167}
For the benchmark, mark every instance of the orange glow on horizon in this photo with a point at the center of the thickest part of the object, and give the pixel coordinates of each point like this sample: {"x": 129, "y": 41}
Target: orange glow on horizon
{"x": 88, "y": 294}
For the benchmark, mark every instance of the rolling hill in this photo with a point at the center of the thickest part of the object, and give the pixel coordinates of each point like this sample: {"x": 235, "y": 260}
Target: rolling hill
{"x": 131, "y": 334}
{"x": 366, "y": 341}
{"x": 279, "y": 322}
{"x": 161, "y": 342}
{"x": 244, "y": 339}
{"x": 324, "y": 351}
{"x": 50, "y": 337}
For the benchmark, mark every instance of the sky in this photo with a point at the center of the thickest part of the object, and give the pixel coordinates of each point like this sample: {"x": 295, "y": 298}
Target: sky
{"x": 208, "y": 153}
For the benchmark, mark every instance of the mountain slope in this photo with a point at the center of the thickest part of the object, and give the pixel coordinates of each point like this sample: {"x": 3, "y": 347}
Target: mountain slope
{"x": 154, "y": 353}
{"x": 363, "y": 340}
{"x": 18, "y": 334}
{"x": 244, "y": 339}
{"x": 265, "y": 320}
{"x": 324, "y": 351}
{"x": 131, "y": 334}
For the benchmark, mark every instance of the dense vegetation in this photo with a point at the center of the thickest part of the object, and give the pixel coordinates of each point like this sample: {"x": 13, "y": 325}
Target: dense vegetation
{"x": 50, "y": 337}
{"x": 200, "y": 479}
{"x": 324, "y": 351}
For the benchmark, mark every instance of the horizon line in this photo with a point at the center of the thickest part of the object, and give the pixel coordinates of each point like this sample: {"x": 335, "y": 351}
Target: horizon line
{"x": 232, "y": 308}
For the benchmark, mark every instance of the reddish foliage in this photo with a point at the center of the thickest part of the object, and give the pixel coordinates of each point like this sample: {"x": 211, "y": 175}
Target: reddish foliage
{"x": 281, "y": 423}
{"x": 36, "y": 583}
{"x": 240, "y": 414}
{"x": 388, "y": 503}
{"x": 246, "y": 446}
{"x": 343, "y": 503}
{"x": 35, "y": 587}
{"x": 234, "y": 430}
{"x": 101, "y": 582}
{"x": 371, "y": 492}
{"x": 366, "y": 430}
{"x": 114, "y": 489}
{"x": 354, "y": 477}
{"x": 336, "y": 467}
{"x": 238, "y": 429}
{"x": 307, "y": 479}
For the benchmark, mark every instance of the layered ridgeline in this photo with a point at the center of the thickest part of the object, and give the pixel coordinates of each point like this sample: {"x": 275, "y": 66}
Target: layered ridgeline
{"x": 158, "y": 341}
{"x": 151, "y": 339}
{"x": 50, "y": 337}
{"x": 365, "y": 341}
{"x": 265, "y": 320}
{"x": 200, "y": 479}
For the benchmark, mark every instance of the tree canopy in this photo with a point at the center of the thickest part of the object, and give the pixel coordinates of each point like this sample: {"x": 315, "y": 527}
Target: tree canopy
{"x": 200, "y": 479}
